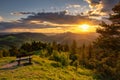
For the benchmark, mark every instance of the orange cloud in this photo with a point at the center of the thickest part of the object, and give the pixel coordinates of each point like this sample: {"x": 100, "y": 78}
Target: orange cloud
{"x": 1, "y": 18}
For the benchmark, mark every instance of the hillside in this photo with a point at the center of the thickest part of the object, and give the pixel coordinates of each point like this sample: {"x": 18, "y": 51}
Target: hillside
{"x": 79, "y": 38}
{"x": 42, "y": 69}
{"x": 19, "y": 38}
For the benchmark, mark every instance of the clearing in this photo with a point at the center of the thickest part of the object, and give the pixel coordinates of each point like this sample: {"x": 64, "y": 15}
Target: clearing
{"x": 41, "y": 69}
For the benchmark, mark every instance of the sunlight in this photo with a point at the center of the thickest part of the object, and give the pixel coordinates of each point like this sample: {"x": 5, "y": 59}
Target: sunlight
{"x": 84, "y": 27}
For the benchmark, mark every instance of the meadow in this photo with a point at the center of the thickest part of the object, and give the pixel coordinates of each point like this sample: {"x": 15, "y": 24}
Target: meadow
{"x": 42, "y": 69}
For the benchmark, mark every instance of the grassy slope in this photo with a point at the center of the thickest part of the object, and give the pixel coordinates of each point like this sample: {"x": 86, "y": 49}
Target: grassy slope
{"x": 42, "y": 70}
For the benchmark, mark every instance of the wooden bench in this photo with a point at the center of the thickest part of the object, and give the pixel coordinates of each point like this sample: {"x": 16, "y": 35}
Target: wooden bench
{"x": 23, "y": 57}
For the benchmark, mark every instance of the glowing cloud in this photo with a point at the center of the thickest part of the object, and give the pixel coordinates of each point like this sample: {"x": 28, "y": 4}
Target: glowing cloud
{"x": 1, "y": 18}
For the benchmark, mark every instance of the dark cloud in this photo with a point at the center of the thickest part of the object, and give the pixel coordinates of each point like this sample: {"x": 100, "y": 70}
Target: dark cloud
{"x": 21, "y": 25}
{"x": 106, "y": 5}
{"x": 57, "y": 17}
{"x": 109, "y": 4}
{"x": 46, "y": 20}
{"x": 21, "y": 13}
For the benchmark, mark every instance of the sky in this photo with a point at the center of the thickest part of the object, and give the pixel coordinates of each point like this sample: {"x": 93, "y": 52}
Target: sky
{"x": 53, "y": 16}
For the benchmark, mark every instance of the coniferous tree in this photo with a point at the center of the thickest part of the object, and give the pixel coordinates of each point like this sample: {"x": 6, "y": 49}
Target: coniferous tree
{"x": 66, "y": 47}
{"x": 110, "y": 33}
{"x": 109, "y": 43}
{"x": 73, "y": 52}
{"x": 14, "y": 51}
{"x": 6, "y": 53}
{"x": 90, "y": 50}
{"x": 83, "y": 54}
{"x": 1, "y": 53}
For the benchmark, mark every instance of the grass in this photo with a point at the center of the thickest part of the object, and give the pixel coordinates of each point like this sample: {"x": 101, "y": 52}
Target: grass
{"x": 41, "y": 69}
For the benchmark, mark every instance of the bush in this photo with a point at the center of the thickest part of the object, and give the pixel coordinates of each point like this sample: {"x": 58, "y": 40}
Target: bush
{"x": 1, "y": 53}
{"x": 60, "y": 57}
{"x": 5, "y": 53}
{"x": 57, "y": 64}
{"x": 43, "y": 53}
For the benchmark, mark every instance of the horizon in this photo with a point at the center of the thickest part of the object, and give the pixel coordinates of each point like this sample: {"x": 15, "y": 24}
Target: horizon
{"x": 78, "y": 16}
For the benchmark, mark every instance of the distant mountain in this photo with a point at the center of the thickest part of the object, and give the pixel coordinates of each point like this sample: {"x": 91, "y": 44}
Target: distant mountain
{"x": 79, "y": 38}
{"x": 20, "y": 38}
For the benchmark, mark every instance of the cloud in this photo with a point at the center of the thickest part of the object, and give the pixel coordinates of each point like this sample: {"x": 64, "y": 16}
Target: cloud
{"x": 21, "y": 13}
{"x": 73, "y": 6}
{"x": 47, "y": 20}
{"x": 21, "y": 25}
{"x": 101, "y": 6}
{"x": 57, "y": 17}
{"x": 99, "y": 9}
{"x": 109, "y": 4}
{"x": 1, "y": 18}
{"x": 93, "y": 3}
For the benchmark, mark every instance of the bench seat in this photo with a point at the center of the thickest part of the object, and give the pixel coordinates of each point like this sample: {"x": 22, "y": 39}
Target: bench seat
{"x": 20, "y": 58}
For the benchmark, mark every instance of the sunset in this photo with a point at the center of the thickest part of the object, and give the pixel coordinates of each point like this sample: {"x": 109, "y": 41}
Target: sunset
{"x": 37, "y": 16}
{"x": 59, "y": 39}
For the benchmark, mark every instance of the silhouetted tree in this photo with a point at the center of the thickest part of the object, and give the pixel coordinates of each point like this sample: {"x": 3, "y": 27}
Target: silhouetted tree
{"x": 109, "y": 43}
{"x": 54, "y": 45}
{"x": 1, "y": 53}
{"x": 66, "y": 47}
{"x": 110, "y": 33}
{"x": 14, "y": 51}
{"x": 6, "y": 53}
{"x": 90, "y": 51}
{"x": 73, "y": 51}
{"x": 27, "y": 47}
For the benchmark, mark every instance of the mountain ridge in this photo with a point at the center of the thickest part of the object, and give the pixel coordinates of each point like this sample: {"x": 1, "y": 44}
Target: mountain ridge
{"x": 19, "y": 38}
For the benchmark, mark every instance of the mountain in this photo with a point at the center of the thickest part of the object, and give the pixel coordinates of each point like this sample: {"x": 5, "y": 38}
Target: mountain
{"x": 20, "y": 38}
{"x": 17, "y": 39}
{"x": 79, "y": 38}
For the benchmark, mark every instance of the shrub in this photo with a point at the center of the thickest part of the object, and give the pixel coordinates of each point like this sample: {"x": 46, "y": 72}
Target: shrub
{"x": 60, "y": 57}
{"x": 1, "y": 53}
{"x": 43, "y": 53}
{"x": 5, "y": 53}
{"x": 57, "y": 64}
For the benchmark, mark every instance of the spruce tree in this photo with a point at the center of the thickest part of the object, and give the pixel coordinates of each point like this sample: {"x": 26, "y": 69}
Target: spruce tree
{"x": 109, "y": 38}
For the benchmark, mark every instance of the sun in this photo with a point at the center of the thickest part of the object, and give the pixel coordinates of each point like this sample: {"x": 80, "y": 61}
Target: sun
{"x": 84, "y": 27}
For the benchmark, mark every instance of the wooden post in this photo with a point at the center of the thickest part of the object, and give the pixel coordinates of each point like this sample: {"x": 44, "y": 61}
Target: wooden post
{"x": 19, "y": 62}
{"x": 30, "y": 60}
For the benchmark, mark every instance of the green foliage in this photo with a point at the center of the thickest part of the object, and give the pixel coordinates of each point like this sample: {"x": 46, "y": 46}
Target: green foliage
{"x": 60, "y": 57}
{"x": 6, "y": 53}
{"x": 110, "y": 34}
{"x": 73, "y": 57}
{"x": 43, "y": 53}
{"x": 43, "y": 69}
{"x": 33, "y": 46}
{"x": 1, "y": 53}
{"x": 109, "y": 43}
{"x": 14, "y": 51}
{"x": 73, "y": 48}
{"x": 56, "y": 64}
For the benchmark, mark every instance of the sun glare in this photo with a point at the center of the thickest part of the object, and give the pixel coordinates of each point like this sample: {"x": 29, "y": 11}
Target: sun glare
{"x": 84, "y": 27}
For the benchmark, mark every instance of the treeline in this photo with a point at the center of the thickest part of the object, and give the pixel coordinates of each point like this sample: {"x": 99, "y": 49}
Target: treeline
{"x": 103, "y": 62}
{"x": 65, "y": 54}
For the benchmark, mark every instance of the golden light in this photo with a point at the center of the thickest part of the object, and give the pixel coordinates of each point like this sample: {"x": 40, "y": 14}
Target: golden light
{"x": 84, "y": 27}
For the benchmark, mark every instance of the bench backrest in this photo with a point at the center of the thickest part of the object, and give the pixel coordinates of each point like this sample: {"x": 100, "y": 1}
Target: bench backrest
{"x": 23, "y": 55}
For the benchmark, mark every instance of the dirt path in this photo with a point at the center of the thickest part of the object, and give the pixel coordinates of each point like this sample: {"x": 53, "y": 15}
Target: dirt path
{"x": 9, "y": 65}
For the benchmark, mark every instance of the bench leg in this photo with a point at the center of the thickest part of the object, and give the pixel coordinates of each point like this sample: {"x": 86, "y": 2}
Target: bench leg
{"x": 30, "y": 61}
{"x": 18, "y": 62}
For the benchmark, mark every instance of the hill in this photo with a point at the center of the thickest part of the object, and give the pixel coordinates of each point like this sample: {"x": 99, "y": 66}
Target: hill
{"x": 79, "y": 38}
{"x": 19, "y": 38}
{"x": 42, "y": 69}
